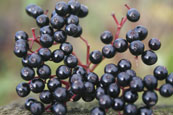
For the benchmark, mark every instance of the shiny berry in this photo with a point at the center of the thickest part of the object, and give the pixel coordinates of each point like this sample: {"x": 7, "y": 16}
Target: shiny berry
{"x": 79, "y": 70}
{"x": 105, "y": 101}
{"x": 133, "y": 15}
{"x": 27, "y": 73}
{"x": 37, "y": 108}
{"x": 154, "y": 44}
{"x": 107, "y": 79}
{"x": 132, "y": 35}
{"x": 124, "y": 65}
{"x": 97, "y": 111}
{"x": 53, "y": 83}
{"x": 79, "y": 32}
{"x": 46, "y": 30}
{"x": 21, "y": 35}
{"x": 150, "y": 98}
{"x": 37, "y": 85}
{"x": 150, "y": 82}
{"x": 63, "y": 72}
{"x": 160, "y": 72}
{"x": 57, "y": 56}
{"x": 66, "y": 47}
{"x": 72, "y": 19}
{"x": 95, "y": 57}
{"x": 120, "y": 45}
{"x": 118, "y": 104}
{"x": 57, "y": 22}
{"x": 145, "y": 111}
{"x": 106, "y": 37}
{"x": 46, "y": 97}
{"x": 108, "y": 51}
{"x": 136, "y": 84}
{"x": 130, "y": 109}
{"x": 46, "y": 40}
{"x": 28, "y": 103}
{"x": 89, "y": 88}
{"x": 113, "y": 90}
{"x": 71, "y": 29}
{"x": 112, "y": 69}
{"x": 59, "y": 109}
{"x": 130, "y": 96}
{"x": 99, "y": 92}
{"x": 136, "y": 48}
{"x": 45, "y": 54}
{"x": 61, "y": 8}
{"x": 74, "y": 6}
{"x": 83, "y": 12}
{"x": 20, "y": 51}
{"x": 149, "y": 57}
{"x": 92, "y": 77}
{"x": 60, "y": 36}
{"x": 166, "y": 90}
{"x": 34, "y": 10}
{"x": 42, "y": 20}
{"x": 123, "y": 79}
{"x": 34, "y": 60}
{"x": 25, "y": 61}
{"x": 77, "y": 87}
{"x": 23, "y": 89}
{"x": 131, "y": 73}
{"x": 142, "y": 31}
{"x": 71, "y": 61}
{"x": 75, "y": 77}
{"x": 60, "y": 94}
{"x": 44, "y": 71}
{"x": 169, "y": 79}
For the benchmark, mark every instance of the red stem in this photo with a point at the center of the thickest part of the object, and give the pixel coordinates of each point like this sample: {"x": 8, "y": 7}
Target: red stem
{"x": 48, "y": 107}
{"x": 115, "y": 19}
{"x": 67, "y": 84}
{"x": 119, "y": 113}
{"x": 71, "y": 99}
{"x": 118, "y": 29}
{"x": 88, "y": 50}
{"x": 127, "y": 6}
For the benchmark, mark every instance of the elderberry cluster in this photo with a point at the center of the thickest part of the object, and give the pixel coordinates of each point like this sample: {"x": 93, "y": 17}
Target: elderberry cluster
{"x": 117, "y": 88}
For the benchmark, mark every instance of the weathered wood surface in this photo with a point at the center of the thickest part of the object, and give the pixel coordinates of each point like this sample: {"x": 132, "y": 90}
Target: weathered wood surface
{"x": 17, "y": 108}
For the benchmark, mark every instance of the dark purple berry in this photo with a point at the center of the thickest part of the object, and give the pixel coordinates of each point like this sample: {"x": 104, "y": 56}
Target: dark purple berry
{"x": 133, "y": 15}
{"x": 23, "y": 89}
{"x": 108, "y": 51}
{"x": 149, "y": 57}
{"x": 83, "y": 12}
{"x": 34, "y": 10}
{"x": 95, "y": 57}
{"x": 120, "y": 45}
{"x": 150, "y": 98}
{"x": 27, "y": 73}
{"x": 21, "y": 35}
{"x": 160, "y": 72}
{"x": 60, "y": 36}
{"x": 166, "y": 90}
{"x": 42, "y": 20}
{"x": 136, "y": 48}
{"x": 37, "y": 85}
{"x": 154, "y": 44}
{"x": 106, "y": 37}
{"x": 63, "y": 72}
{"x": 61, "y": 8}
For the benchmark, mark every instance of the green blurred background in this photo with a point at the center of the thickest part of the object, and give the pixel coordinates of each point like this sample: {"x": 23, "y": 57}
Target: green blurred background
{"x": 156, "y": 15}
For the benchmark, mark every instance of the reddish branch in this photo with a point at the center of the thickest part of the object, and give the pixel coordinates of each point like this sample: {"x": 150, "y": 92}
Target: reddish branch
{"x": 118, "y": 29}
